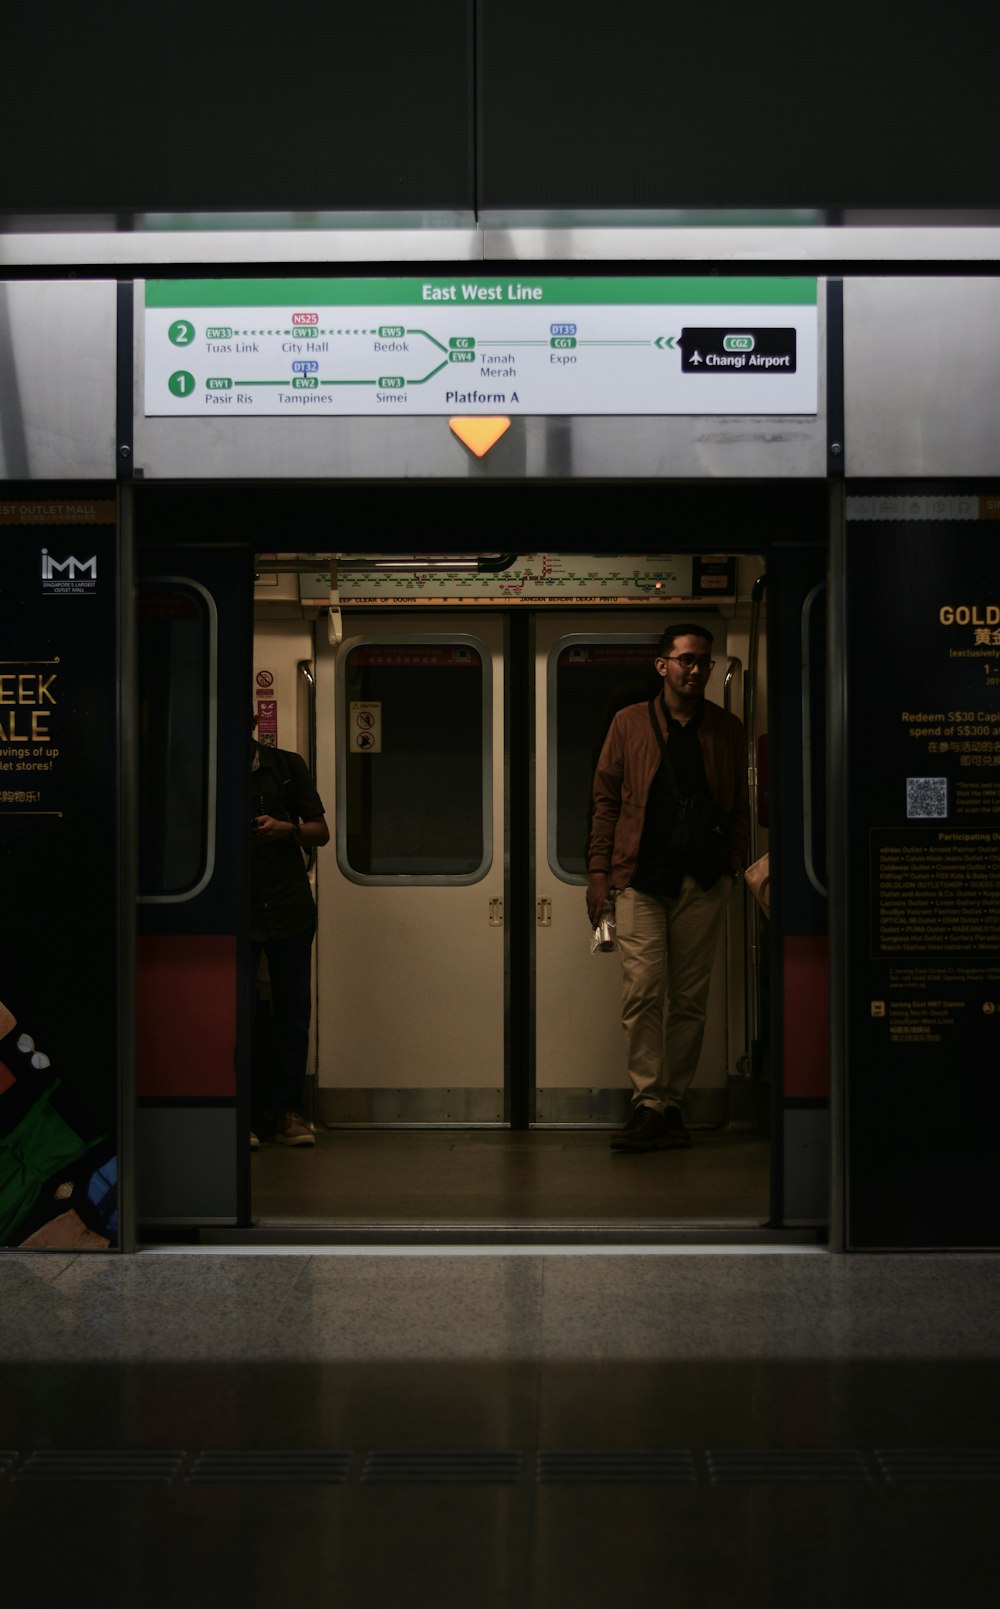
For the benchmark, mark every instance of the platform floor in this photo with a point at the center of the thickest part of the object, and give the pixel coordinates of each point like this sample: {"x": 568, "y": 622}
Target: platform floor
{"x": 480, "y": 1178}
{"x": 510, "y": 1428}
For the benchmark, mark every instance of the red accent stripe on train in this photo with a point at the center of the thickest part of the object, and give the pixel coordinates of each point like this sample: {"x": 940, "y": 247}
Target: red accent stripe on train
{"x": 186, "y": 1015}
{"x": 806, "y": 1015}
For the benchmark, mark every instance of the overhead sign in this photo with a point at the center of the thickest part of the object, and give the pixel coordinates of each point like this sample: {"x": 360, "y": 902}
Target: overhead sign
{"x": 533, "y": 578}
{"x": 501, "y": 346}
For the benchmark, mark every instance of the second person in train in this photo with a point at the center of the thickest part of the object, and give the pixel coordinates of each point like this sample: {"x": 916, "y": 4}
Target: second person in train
{"x": 287, "y": 818}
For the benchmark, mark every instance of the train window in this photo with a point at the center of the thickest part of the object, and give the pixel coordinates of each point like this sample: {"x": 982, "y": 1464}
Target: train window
{"x": 176, "y": 664}
{"x": 590, "y": 678}
{"x": 416, "y": 772}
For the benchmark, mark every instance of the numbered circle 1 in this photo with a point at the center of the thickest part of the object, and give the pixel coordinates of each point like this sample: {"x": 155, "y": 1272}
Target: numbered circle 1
{"x": 181, "y": 332}
{"x": 181, "y": 383}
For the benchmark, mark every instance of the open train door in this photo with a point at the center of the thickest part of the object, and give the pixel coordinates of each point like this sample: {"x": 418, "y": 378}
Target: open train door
{"x": 794, "y": 796}
{"x": 194, "y": 647}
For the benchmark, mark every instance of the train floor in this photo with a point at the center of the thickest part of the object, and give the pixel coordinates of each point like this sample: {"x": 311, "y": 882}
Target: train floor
{"x": 478, "y": 1180}
{"x": 499, "y": 1428}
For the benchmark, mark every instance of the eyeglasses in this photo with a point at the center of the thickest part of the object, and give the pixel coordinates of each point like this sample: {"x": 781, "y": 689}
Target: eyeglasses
{"x": 694, "y": 662}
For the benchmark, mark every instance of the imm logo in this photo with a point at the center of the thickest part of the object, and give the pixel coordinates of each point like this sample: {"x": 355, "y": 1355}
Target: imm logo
{"x": 69, "y": 575}
{"x": 70, "y": 568}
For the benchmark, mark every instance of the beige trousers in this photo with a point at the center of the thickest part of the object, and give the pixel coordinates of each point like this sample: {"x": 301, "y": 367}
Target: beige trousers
{"x": 667, "y": 949}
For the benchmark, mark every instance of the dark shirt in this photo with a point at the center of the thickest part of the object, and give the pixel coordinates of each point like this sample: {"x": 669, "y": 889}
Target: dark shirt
{"x": 661, "y": 870}
{"x": 281, "y": 902}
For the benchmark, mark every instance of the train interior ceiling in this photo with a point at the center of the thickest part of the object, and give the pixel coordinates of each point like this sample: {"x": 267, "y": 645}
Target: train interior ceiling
{"x": 466, "y": 1059}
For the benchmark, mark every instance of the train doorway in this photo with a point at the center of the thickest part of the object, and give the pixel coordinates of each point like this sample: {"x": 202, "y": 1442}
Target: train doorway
{"x": 486, "y": 1160}
{"x": 468, "y": 1060}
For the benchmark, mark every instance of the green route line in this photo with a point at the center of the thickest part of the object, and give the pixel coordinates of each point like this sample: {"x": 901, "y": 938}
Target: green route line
{"x": 241, "y": 383}
{"x": 306, "y": 331}
{"x": 309, "y": 333}
{"x": 391, "y": 388}
{"x": 433, "y": 372}
{"x": 374, "y": 578}
{"x": 429, "y": 337}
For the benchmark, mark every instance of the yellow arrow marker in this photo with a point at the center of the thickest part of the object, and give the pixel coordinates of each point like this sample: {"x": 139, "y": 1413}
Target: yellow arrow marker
{"x": 479, "y": 434}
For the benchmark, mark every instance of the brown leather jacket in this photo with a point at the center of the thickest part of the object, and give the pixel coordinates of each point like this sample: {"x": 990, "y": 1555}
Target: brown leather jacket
{"x": 628, "y": 763}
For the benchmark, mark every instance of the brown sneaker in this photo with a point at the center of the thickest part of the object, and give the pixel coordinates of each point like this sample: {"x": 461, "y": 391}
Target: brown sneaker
{"x": 677, "y": 1135}
{"x": 646, "y": 1130}
{"x": 291, "y": 1130}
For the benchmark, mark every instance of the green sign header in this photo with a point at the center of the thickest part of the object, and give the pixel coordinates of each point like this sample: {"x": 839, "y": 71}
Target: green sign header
{"x": 475, "y": 291}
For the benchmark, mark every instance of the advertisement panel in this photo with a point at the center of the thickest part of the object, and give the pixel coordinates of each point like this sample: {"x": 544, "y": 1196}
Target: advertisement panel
{"x": 923, "y": 667}
{"x": 59, "y": 833}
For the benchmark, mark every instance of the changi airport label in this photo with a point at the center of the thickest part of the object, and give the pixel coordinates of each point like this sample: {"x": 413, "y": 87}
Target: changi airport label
{"x": 743, "y": 351}
{"x": 469, "y": 345}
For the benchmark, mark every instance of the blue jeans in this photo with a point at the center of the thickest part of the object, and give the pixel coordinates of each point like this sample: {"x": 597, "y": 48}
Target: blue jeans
{"x": 289, "y": 964}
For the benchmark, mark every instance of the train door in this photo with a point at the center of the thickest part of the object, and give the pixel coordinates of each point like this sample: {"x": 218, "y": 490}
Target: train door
{"x": 419, "y": 959}
{"x": 193, "y": 606}
{"x": 411, "y": 940}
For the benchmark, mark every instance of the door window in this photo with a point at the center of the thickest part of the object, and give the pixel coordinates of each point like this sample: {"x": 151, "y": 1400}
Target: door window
{"x": 416, "y": 773}
{"x": 590, "y": 678}
{"x": 177, "y": 713}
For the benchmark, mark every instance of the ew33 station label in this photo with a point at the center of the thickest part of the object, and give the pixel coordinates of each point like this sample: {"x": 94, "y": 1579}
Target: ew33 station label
{"x": 379, "y": 347}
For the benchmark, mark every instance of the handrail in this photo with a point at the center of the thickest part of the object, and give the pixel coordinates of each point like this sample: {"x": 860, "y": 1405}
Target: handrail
{"x": 751, "y": 912}
{"x": 305, "y": 670}
{"x": 732, "y": 666}
{"x": 808, "y": 852}
{"x": 479, "y": 564}
{"x": 364, "y": 563}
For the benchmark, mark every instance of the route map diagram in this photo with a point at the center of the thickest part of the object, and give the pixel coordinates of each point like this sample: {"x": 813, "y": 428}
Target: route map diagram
{"x": 381, "y": 348}
{"x": 554, "y": 578}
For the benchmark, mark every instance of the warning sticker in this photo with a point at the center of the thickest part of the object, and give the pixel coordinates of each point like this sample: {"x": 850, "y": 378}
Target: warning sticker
{"x": 365, "y": 730}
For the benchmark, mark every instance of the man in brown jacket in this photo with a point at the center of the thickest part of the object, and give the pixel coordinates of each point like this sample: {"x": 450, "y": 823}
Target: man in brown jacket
{"x": 668, "y": 838}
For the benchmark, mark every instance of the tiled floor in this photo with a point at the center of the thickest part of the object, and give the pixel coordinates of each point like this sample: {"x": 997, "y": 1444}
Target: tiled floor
{"x": 789, "y": 1423}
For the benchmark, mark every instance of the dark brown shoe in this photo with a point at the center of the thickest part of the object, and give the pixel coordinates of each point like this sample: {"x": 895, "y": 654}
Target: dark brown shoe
{"x": 677, "y": 1135}
{"x": 646, "y": 1130}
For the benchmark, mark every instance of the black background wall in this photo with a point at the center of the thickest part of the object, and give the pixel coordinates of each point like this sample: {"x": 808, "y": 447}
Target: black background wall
{"x": 778, "y": 103}
{"x": 129, "y": 106}
{"x": 118, "y": 107}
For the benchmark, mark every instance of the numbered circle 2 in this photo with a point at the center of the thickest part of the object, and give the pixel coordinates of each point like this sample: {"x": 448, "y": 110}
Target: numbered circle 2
{"x": 181, "y": 383}
{"x": 181, "y": 332}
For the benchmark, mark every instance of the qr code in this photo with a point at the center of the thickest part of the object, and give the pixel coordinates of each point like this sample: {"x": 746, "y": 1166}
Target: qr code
{"x": 926, "y": 797}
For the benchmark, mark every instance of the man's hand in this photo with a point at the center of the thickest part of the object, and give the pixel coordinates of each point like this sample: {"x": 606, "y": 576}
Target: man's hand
{"x": 270, "y": 831}
{"x": 598, "y": 894}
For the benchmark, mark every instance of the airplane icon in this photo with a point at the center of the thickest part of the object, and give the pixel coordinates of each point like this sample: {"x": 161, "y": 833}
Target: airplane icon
{"x": 696, "y": 358}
